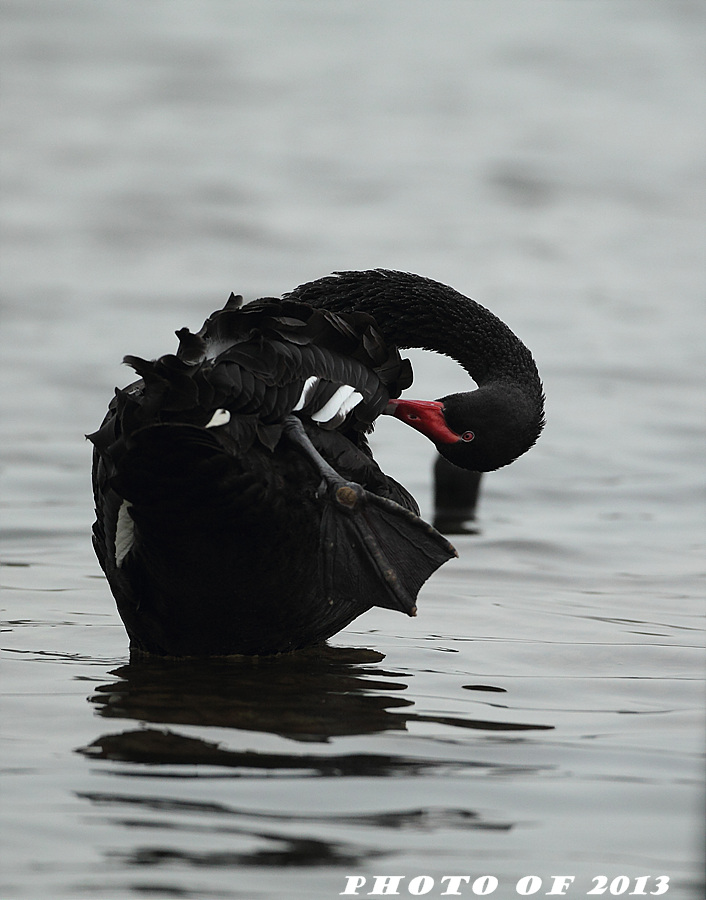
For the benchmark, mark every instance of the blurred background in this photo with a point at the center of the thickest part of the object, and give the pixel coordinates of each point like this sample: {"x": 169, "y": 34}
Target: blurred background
{"x": 545, "y": 158}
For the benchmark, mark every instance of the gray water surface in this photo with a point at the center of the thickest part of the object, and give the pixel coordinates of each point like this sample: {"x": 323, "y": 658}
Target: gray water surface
{"x": 543, "y": 714}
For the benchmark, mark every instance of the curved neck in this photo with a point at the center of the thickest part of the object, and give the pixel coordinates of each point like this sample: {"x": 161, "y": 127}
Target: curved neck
{"x": 412, "y": 311}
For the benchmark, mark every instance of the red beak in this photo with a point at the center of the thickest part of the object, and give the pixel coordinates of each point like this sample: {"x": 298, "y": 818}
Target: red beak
{"x": 426, "y": 416}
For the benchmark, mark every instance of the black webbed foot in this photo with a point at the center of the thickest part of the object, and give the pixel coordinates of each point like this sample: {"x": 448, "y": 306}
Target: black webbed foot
{"x": 372, "y": 549}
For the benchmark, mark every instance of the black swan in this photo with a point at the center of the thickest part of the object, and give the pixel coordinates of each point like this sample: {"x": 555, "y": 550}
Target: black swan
{"x": 239, "y": 509}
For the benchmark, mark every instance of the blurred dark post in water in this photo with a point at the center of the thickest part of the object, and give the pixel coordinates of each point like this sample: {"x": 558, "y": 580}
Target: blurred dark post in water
{"x": 456, "y": 494}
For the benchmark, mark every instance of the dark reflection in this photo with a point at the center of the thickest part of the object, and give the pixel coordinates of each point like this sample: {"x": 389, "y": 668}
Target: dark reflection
{"x": 416, "y": 819}
{"x": 290, "y": 851}
{"x": 310, "y": 696}
{"x": 279, "y": 847}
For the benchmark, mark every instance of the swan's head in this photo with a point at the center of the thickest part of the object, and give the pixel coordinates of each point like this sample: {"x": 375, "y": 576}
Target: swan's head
{"x": 480, "y": 430}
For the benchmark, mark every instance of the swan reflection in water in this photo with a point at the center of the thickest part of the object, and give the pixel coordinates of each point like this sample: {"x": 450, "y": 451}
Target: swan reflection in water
{"x": 310, "y": 697}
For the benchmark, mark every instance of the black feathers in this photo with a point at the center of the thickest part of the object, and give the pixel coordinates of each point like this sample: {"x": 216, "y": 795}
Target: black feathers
{"x": 217, "y": 536}
{"x": 238, "y": 506}
{"x": 256, "y": 360}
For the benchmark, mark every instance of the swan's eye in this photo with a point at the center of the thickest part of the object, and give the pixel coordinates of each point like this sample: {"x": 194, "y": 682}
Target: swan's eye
{"x": 412, "y": 417}
{"x": 467, "y": 436}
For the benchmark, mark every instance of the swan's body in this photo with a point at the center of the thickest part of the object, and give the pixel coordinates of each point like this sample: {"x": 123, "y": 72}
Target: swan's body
{"x": 239, "y": 509}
